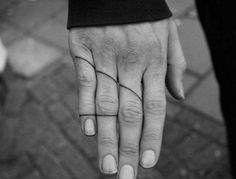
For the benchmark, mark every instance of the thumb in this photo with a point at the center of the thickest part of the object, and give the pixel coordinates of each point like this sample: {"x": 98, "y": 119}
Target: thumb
{"x": 176, "y": 64}
{"x": 174, "y": 81}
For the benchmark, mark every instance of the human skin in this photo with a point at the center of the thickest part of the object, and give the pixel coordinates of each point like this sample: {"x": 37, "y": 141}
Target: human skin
{"x": 144, "y": 58}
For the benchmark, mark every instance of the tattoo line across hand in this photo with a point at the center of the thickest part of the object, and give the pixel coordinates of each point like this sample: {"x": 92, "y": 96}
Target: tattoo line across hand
{"x": 120, "y": 85}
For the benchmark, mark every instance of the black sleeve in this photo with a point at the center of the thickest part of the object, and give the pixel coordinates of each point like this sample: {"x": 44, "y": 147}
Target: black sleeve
{"x": 84, "y": 13}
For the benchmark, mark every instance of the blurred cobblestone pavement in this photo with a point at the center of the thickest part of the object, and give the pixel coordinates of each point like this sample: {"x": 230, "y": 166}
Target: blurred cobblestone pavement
{"x": 40, "y": 137}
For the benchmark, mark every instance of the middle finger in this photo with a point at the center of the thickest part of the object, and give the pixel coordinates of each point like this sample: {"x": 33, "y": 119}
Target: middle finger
{"x": 130, "y": 119}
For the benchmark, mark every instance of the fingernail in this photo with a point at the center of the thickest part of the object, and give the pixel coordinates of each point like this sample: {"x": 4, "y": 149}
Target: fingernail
{"x": 126, "y": 172}
{"x": 109, "y": 165}
{"x": 148, "y": 158}
{"x": 89, "y": 127}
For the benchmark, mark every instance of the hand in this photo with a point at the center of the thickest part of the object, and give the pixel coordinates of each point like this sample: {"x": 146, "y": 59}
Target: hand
{"x": 121, "y": 74}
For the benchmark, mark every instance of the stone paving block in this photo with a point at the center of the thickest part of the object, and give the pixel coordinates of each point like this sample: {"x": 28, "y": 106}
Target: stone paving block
{"x": 69, "y": 75}
{"x": 205, "y": 98}
{"x": 65, "y": 77}
{"x": 219, "y": 174}
{"x": 55, "y": 32}
{"x": 202, "y": 124}
{"x": 71, "y": 128}
{"x": 8, "y": 132}
{"x": 166, "y": 163}
{"x": 87, "y": 147}
{"x": 5, "y": 4}
{"x": 15, "y": 167}
{"x": 8, "y": 33}
{"x": 28, "y": 13}
{"x": 221, "y": 170}
{"x": 29, "y": 56}
{"x": 49, "y": 166}
{"x": 44, "y": 90}
{"x": 174, "y": 134}
{"x": 188, "y": 82}
{"x": 37, "y": 130}
{"x": 76, "y": 163}
{"x": 59, "y": 113}
{"x": 71, "y": 101}
{"x": 149, "y": 174}
{"x": 86, "y": 144}
{"x": 206, "y": 158}
{"x": 189, "y": 146}
{"x": 63, "y": 87}
{"x": 33, "y": 126}
{"x": 34, "y": 175}
{"x": 182, "y": 173}
{"x": 62, "y": 17}
{"x": 67, "y": 59}
{"x": 103, "y": 176}
{"x": 194, "y": 46}
{"x": 171, "y": 168}
{"x": 172, "y": 109}
{"x": 16, "y": 97}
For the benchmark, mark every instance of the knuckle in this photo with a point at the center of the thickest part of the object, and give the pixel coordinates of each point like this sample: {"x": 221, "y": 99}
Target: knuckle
{"x": 129, "y": 149}
{"x": 153, "y": 135}
{"x": 134, "y": 46}
{"x": 84, "y": 38}
{"x": 107, "y": 141}
{"x": 132, "y": 51}
{"x": 155, "y": 106}
{"x": 131, "y": 112}
{"x": 130, "y": 55}
{"x": 86, "y": 80}
{"x": 78, "y": 41}
{"x": 108, "y": 44}
{"x": 154, "y": 46}
{"x": 148, "y": 44}
{"x": 106, "y": 104}
{"x": 78, "y": 37}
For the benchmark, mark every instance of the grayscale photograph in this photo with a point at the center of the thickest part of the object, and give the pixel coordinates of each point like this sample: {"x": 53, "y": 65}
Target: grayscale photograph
{"x": 117, "y": 89}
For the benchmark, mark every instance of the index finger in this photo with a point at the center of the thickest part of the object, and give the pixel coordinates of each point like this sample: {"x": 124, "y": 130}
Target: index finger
{"x": 86, "y": 82}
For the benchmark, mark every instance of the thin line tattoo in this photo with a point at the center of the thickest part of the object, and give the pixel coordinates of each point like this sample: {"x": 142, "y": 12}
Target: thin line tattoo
{"x": 119, "y": 84}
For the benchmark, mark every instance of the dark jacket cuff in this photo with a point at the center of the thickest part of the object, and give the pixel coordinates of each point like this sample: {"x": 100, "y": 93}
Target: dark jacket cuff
{"x": 83, "y": 13}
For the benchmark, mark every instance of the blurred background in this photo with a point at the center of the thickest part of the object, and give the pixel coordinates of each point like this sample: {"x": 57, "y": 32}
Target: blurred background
{"x": 40, "y": 137}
